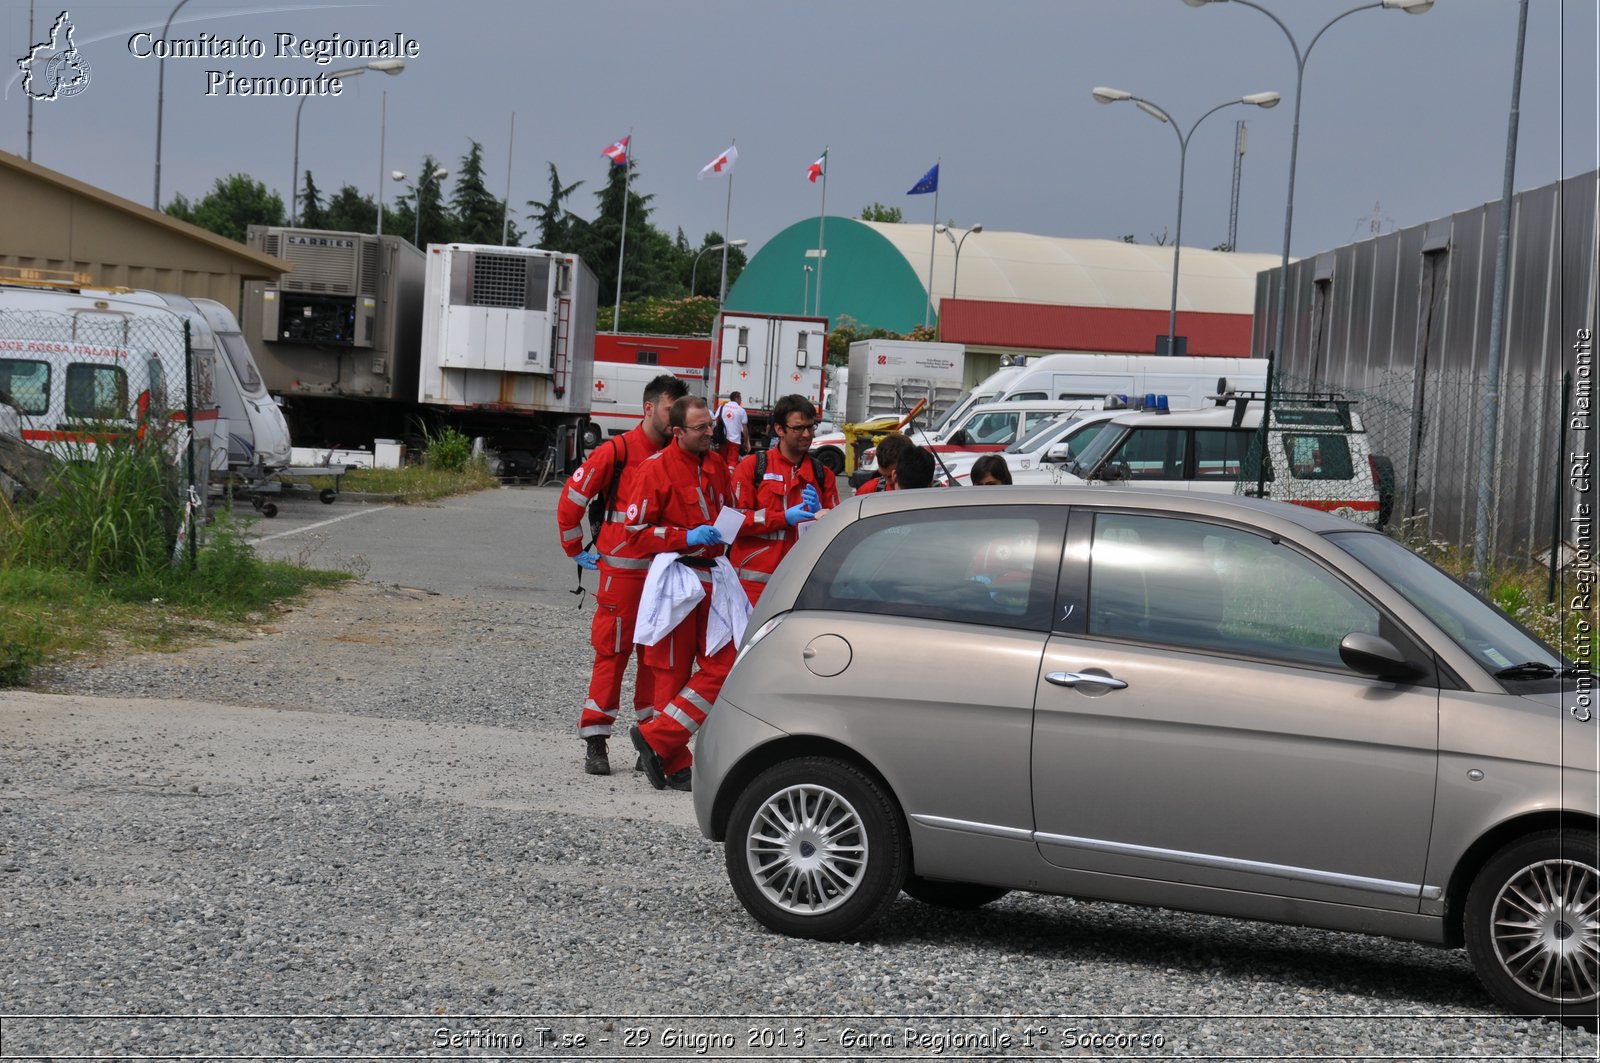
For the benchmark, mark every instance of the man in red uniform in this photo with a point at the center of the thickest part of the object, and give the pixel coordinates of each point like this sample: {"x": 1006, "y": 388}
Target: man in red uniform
{"x": 779, "y": 490}
{"x": 610, "y": 471}
{"x": 671, "y": 506}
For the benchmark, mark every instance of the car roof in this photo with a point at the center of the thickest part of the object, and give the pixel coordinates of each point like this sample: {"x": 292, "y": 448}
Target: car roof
{"x": 1205, "y": 417}
{"x": 1035, "y": 405}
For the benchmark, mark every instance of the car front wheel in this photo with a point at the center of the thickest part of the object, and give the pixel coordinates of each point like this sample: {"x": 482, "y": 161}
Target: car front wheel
{"x": 1533, "y": 926}
{"x": 816, "y": 849}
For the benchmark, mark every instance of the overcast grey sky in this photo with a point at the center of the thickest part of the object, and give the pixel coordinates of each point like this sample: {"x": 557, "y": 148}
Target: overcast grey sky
{"x": 1404, "y": 117}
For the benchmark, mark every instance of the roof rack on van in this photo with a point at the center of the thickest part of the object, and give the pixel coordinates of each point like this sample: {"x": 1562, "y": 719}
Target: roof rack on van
{"x": 33, "y": 277}
{"x": 1286, "y": 403}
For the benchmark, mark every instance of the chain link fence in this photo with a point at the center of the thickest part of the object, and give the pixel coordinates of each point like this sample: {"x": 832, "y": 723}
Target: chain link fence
{"x": 76, "y": 383}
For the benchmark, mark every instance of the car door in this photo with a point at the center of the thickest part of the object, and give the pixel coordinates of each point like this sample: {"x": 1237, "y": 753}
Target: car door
{"x": 1229, "y": 747}
{"x": 917, "y": 642}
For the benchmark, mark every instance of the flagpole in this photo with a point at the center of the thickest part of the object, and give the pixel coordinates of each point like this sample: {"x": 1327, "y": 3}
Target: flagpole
{"x": 822, "y": 225}
{"x": 622, "y": 245}
{"x": 727, "y": 220}
{"x": 927, "y": 312}
{"x": 505, "y": 209}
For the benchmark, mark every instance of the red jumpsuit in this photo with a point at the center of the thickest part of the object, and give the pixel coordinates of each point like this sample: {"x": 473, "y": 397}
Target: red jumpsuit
{"x": 767, "y": 535}
{"x": 673, "y": 493}
{"x": 872, "y": 486}
{"x": 622, "y": 571}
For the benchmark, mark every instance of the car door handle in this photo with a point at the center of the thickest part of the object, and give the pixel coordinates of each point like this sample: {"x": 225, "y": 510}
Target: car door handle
{"x": 1072, "y": 679}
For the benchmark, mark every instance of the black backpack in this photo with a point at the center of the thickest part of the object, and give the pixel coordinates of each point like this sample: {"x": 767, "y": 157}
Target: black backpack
{"x": 816, "y": 468}
{"x": 719, "y": 431}
{"x": 600, "y": 505}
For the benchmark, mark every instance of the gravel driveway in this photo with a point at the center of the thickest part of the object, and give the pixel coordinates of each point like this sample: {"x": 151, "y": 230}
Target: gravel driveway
{"x": 362, "y": 831}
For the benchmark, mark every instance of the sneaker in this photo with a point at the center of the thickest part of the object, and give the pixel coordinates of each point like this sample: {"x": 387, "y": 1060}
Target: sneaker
{"x": 595, "y": 760}
{"x": 681, "y": 780}
{"x": 652, "y": 761}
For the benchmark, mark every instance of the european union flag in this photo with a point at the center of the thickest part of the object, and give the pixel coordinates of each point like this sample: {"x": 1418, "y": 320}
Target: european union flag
{"x": 929, "y": 182}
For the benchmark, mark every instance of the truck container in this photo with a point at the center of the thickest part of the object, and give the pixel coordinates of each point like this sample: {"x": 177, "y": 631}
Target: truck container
{"x": 892, "y": 376}
{"x": 764, "y": 356}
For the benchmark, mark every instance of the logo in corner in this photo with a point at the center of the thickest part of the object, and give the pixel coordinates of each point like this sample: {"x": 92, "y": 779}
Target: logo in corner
{"x": 54, "y": 69}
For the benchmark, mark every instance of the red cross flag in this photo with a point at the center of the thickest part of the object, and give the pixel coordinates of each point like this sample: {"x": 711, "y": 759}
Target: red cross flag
{"x": 721, "y": 164}
{"x": 618, "y": 152}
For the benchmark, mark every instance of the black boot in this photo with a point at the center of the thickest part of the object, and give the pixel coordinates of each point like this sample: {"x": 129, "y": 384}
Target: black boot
{"x": 595, "y": 761}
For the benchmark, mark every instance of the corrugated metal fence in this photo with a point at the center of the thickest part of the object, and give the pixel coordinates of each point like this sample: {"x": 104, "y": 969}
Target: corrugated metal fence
{"x": 1401, "y": 321}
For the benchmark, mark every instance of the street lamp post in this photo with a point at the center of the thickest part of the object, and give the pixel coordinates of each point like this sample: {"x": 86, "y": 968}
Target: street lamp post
{"x": 161, "y": 98}
{"x": 438, "y": 174}
{"x": 1255, "y": 99}
{"x": 693, "y": 269}
{"x": 948, "y": 235}
{"x": 1410, "y": 7}
{"x": 387, "y": 66}
{"x": 805, "y": 297}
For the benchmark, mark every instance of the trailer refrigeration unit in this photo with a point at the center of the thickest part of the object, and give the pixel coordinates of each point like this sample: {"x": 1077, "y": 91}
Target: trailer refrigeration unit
{"x": 764, "y": 356}
{"x": 508, "y": 341}
{"x": 337, "y": 337}
{"x": 624, "y": 362}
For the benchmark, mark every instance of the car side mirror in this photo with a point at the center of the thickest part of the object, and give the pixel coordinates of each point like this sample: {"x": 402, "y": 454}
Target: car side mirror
{"x": 1376, "y": 656}
{"x": 1059, "y": 454}
{"x": 960, "y": 439}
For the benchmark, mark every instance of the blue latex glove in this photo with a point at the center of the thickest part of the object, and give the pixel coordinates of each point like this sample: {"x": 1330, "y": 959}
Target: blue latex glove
{"x": 588, "y": 559}
{"x": 981, "y": 578}
{"x": 810, "y": 499}
{"x": 795, "y": 514}
{"x": 705, "y": 535}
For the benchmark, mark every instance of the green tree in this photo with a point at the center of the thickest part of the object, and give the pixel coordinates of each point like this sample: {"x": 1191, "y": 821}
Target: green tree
{"x": 438, "y": 224}
{"x": 480, "y": 217}
{"x": 351, "y": 212}
{"x": 555, "y": 221}
{"x": 709, "y": 273}
{"x": 664, "y": 317}
{"x": 312, "y": 216}
{"x": 653, "y": 263}
{"x": 878, "y": 212}
{"x": 234, "y": 203}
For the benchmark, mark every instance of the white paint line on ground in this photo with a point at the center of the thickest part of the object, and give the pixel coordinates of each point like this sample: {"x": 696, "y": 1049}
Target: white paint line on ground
{"x": 323, "y": 523}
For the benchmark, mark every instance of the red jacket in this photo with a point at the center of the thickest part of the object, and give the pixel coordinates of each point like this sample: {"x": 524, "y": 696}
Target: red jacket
{"x": 672, "y": 493}
{"x": 872, "y": 486}
{"x": 767, "y": 535}
{"x": 631, "y": 448}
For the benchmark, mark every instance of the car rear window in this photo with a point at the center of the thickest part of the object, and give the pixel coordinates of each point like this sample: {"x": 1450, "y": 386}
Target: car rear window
{"x": 25, "y": 383}
{"x": 972, "y": 566}
{"x": 1319, "y": 457}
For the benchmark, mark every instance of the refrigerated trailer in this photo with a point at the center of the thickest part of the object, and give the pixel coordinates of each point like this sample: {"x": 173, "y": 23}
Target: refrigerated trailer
{"x": 765, "y": 356}
{"x": 624, "y": 362}
{"x": 508, "y": 336}
{"x": 337, "y": 337}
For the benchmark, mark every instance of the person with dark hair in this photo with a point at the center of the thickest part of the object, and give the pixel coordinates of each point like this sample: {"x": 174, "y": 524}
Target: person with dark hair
{"x": 596, "y": 488}
{"x": 689, "y": 639}
{"x": 914, "y": 469}
{"x": 889, "y": 448}
{"x": 991, "y": 470}
{"x": 779, "y": 489}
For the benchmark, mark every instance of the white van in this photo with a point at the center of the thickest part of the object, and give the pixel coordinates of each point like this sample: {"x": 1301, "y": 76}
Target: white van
{"x": 1188, "y": 383}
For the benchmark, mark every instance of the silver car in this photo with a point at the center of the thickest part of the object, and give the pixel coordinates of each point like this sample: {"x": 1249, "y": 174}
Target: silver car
{"x": 1215, "y": 704}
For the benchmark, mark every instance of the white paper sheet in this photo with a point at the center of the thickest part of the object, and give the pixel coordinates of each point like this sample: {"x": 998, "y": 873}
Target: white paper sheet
{"x": 728, "y": 523}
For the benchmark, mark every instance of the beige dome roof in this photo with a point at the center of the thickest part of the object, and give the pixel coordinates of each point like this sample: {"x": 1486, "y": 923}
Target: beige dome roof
{"x": 1023, "y": 267}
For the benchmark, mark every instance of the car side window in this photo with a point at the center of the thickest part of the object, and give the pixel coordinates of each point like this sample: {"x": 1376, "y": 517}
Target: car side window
{"x": 1153, "y": 454}
{"x": 1220, "y": 453}
{"x": 1190, "y": 585}
{"x": 973, "y": 566}
{"x": 96, "y": 392}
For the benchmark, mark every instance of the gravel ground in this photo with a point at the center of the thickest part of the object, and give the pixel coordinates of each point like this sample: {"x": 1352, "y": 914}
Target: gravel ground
{"x": 407, "y": 859}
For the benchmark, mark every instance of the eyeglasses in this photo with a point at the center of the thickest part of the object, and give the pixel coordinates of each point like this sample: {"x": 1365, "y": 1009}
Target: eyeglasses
{"x": 698, "y": 429}
{"x": 801, "y": 429}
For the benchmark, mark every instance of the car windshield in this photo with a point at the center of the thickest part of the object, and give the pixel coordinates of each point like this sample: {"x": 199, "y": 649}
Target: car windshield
{"x": 959, "y": 409}
{"x": 1494, "y": 640}
{"x": 1096, "y": 450}
{"x": 1042, "y": 436}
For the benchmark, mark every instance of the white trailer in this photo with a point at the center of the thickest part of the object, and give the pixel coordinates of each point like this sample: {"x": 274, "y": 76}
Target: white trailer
{"x": 892, "y": 376}
{"x": 766, "y": 356}
{"x": 509, "y": 331}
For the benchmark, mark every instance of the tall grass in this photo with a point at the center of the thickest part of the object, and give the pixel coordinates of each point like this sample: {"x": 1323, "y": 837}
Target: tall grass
{"x": 447, "y": 449}
{"x": 89, "y": 562}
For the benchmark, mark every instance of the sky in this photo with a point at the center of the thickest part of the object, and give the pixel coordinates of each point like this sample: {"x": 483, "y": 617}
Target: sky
{"x": 1404, "y": 117}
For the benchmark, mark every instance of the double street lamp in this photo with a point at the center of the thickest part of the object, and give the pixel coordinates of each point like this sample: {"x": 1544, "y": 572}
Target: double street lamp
{"x": 694, "y": 268}
{"x": 438, "y": 174}
{"x": 1410, "y": 7}
{"x": 391, "y": 67}
{"x": 941, "y": 227}
{"x": 1255, "y": 99}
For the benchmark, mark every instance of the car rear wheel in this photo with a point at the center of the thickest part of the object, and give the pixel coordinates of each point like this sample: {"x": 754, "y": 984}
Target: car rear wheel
{"x": 832, "y": 459}
{"x": 960, "y": 896}
{"x": 1533, "y": 926}
{"x": 816, "y": 849}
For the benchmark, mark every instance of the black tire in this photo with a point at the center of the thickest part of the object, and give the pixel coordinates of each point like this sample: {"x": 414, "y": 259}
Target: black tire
{"x": 269, "y": 509}
{"x": 778, "y": 874}
{"x": 591, "y": 435}
{"x": 1538, "y": 958}
{"x": 328, "y": 495}
{"x": 958, "y": 896}
{"x": 832, "y": 459}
